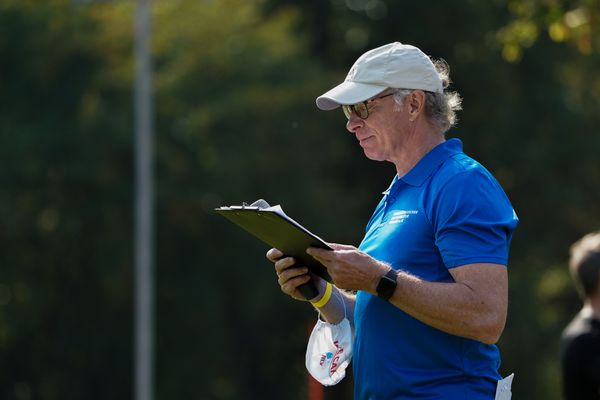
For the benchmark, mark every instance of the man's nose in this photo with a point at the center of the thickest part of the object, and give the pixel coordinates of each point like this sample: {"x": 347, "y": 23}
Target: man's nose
{"x": 354, "y": 123}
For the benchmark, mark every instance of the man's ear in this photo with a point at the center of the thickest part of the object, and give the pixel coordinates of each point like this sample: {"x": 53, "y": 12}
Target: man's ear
{"x": 416, "y": 104}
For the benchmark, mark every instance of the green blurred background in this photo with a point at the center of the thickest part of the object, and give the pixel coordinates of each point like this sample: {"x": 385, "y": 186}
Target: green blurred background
{"x": 234, "y": 85}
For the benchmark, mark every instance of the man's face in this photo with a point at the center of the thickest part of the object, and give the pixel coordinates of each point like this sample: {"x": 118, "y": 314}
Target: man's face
{"x": 381, "y": 133}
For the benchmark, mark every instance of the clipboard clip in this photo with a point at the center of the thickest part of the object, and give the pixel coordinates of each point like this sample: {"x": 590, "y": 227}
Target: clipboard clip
{"x": 260, "y": 204}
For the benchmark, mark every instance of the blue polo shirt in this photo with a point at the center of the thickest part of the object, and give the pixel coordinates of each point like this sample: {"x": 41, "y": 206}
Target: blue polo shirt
{"x": 446, "y": 212}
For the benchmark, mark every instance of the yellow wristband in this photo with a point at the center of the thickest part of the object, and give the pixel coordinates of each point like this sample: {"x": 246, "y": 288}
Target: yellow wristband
{"x": 325, "y": 299}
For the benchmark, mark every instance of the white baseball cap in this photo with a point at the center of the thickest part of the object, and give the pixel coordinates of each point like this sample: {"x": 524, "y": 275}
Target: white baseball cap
{"x": 393, "y": 65}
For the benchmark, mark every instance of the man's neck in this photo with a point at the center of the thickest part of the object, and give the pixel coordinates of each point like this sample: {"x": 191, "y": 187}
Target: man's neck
{"x": 592, "y": 306}
{"x": 416, "y": 148}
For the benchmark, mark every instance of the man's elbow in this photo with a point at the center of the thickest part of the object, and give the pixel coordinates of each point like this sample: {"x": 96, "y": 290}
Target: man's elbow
{"x": 491, "y": 329}
{"x": 491, "y": 338}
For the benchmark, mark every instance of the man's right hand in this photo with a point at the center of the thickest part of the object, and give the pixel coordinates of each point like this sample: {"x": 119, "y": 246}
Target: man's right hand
{"x": 290, "y": 276}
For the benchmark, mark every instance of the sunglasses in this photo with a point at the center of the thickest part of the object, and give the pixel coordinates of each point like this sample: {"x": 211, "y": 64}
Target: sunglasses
{"x": 360, "y": 109}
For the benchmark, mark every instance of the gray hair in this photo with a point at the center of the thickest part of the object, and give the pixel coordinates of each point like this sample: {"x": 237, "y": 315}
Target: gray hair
{"x": 440, "y": 108}
{"x": 585, "y": 264}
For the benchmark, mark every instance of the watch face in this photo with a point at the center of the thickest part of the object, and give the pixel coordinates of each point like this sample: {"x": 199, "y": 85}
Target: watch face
{"x": 387, "y": 285}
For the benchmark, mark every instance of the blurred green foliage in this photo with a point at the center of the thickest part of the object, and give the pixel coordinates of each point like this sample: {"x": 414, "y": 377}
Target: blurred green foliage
{"x": 235, "y": 83}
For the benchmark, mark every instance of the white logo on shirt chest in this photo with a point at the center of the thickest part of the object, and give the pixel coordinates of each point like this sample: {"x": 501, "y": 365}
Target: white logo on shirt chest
{"x": 401, "y": 216}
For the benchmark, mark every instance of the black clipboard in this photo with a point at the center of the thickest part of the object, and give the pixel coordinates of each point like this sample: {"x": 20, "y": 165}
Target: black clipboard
{"x": 275, "y": 228}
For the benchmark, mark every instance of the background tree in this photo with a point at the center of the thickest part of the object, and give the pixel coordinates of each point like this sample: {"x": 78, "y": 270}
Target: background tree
{"x": 235, "y": 83}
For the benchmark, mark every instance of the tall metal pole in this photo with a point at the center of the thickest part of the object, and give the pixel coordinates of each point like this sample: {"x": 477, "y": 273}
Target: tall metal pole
{"x": 144, "y": 205}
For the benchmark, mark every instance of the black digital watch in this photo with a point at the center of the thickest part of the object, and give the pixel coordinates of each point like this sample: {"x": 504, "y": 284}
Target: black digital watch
{"x": 387, "y": 284}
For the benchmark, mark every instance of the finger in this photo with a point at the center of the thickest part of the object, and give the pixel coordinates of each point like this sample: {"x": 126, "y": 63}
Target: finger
{"x": 291, "y": 287}
{"x": 320, "y": 254}
{"x": 284, "y": 263}
{"x": 290, "y": 274}
{"x": 337, "y": 246}
{"x": 274, "y": 254}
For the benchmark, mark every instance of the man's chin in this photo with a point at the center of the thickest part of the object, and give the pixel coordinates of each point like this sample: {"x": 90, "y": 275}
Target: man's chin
{"x": 372, "y": 156}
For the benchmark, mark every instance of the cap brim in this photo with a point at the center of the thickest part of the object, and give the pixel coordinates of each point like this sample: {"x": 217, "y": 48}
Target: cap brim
{"x": 348, "y": 93}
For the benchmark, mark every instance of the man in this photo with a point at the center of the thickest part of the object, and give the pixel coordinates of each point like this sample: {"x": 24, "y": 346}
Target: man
{"x": 430, "y": 274}
{"x": 580, "y": 342}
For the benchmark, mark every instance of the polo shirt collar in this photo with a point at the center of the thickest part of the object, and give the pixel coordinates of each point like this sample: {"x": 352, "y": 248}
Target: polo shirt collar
{"x": 431, "y": 161}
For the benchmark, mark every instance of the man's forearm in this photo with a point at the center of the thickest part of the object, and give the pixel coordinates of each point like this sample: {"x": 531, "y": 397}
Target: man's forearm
{"x": 468, "y": 309}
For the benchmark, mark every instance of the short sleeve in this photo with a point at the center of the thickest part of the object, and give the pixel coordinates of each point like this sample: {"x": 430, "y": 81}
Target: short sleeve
{"x": 473, "y": 220}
